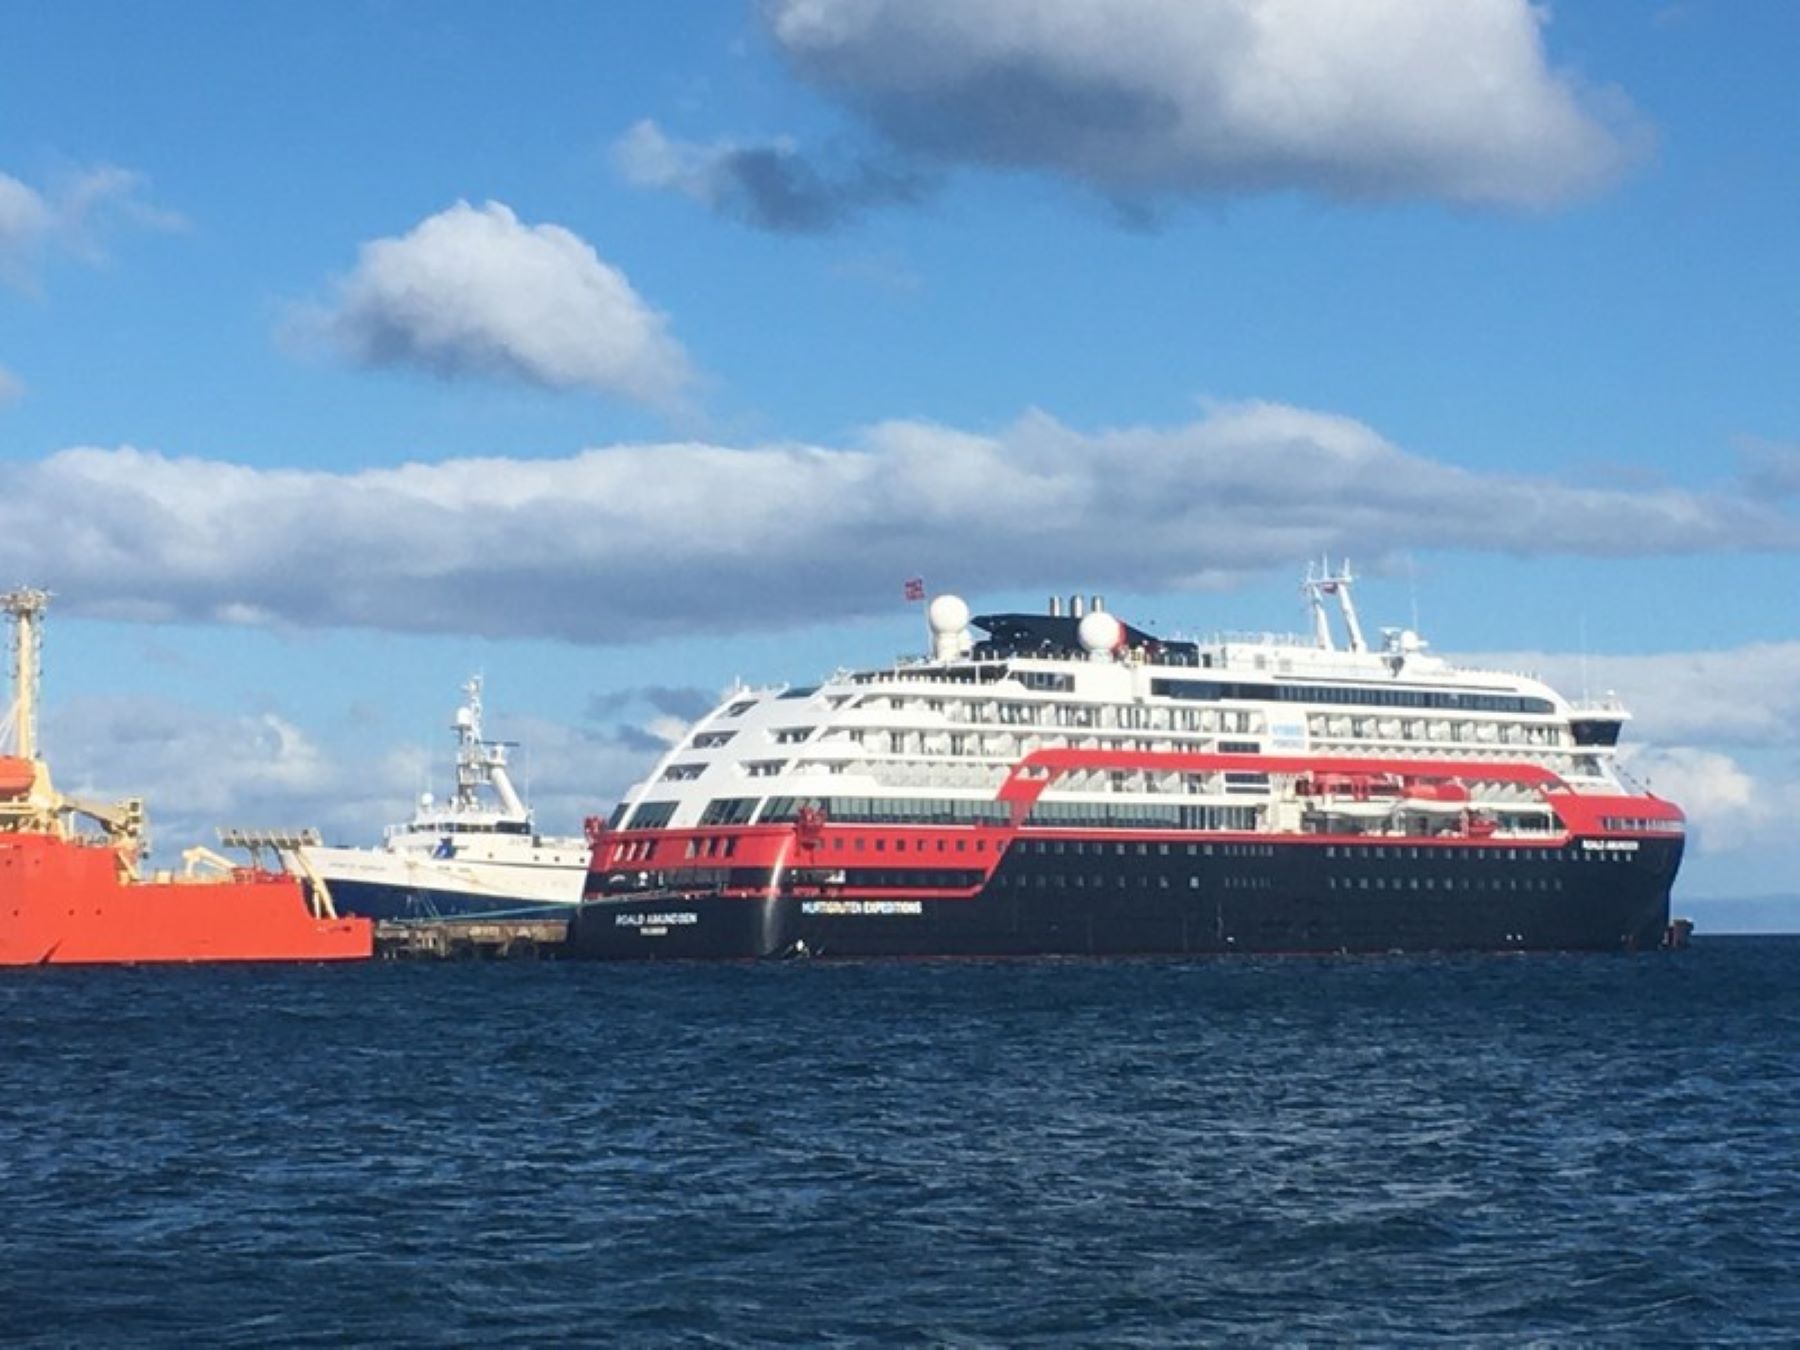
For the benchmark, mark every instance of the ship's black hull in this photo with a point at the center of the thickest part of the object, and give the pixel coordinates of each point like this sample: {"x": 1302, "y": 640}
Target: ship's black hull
{"x": 1134, "y": 897}
{"x": 404, "y": 904}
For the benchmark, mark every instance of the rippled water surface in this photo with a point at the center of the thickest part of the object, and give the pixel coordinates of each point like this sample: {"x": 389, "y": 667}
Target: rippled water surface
{"x": 1498, "y": 1149}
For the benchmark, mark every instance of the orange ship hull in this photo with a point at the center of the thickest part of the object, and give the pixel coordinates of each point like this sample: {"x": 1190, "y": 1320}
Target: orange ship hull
{"x": 63, "y": 903}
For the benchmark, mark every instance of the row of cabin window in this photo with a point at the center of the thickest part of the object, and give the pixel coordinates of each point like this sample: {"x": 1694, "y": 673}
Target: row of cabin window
{"x": 1351, "y": 695}
{"x": 1210, "y": 691}
{"x": 854, "y": 878}
{"x": 1213, "y": 691}
{"x": 1043, "y": 681}
{"x": 1141, "y": 815}
{"x": 1479, "y": 853}
{"x": 1099, "y": 848}
{"x": 1123, "y": 881}
{"x": 1477, "y": 883}
{"x": 1125, "y": 716}
{"x": 1001, "y": 745}
{"x": 934, "y": 675}
{"x": 861, "y": 844}
{"x": 703, "y": 846}
{"x": 961, "y": 744}
{"x": 1645, "y": 825}
{"x": 1535, "y": 734}
{"x": 891, "y": 810}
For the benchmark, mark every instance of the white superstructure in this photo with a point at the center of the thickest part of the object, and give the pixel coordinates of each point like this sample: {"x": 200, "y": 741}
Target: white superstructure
{"x": 935, "y": 740}
{"x": 476, "y": 852}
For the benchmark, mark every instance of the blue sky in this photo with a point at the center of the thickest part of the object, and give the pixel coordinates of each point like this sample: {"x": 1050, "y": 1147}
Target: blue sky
{"x": 750, "y": 311}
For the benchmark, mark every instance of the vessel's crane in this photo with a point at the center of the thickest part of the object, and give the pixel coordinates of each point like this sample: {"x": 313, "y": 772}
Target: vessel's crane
{"x": 41, "y": 809}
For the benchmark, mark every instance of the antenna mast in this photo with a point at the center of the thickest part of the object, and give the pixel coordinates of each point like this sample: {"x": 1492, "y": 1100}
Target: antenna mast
{"x": 1313, "y": 589}
{"x": 1412, "y": 586}
{"x": 1324, "y": 582}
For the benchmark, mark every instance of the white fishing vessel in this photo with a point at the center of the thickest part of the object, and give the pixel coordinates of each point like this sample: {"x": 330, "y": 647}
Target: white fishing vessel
{"x": 477, "y": 854}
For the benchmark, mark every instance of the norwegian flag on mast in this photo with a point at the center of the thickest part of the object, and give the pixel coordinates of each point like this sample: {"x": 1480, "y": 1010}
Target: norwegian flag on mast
{"x": 915, "y": 588}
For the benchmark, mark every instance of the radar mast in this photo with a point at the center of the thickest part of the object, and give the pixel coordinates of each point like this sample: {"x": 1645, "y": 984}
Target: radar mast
{"x": 1320, "y": 582}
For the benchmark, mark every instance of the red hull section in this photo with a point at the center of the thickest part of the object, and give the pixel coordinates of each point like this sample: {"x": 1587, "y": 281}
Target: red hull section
{"x": 63, "y": 903}
{"x": 958, "y": 860}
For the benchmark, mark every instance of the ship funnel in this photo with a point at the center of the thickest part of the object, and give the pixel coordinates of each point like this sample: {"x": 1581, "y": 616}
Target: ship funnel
{"x": 1056, "y": 607}
{"x": 1075, "y": 609}
{"x": 1097, "y": 604}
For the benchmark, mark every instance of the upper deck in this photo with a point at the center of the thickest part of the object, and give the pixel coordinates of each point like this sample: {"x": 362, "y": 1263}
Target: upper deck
{"x": 952, "y": 725}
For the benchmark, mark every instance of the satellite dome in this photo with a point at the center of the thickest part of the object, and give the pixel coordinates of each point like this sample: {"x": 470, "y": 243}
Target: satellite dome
{"x": 465, "y": 718}
{"x": 425, "y": 801}
{"x": 1100, "y": 632}
{"x": 948, "y": 614}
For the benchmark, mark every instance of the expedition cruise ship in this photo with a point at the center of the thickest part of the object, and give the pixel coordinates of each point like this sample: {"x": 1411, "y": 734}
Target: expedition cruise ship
{"x": 1067, "y": 783}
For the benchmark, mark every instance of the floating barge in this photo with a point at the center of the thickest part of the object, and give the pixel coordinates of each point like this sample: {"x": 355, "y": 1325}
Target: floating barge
{"x": 526, "y": 939}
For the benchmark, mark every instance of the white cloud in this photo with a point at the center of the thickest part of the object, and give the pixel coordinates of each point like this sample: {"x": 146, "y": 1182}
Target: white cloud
{"x": 1740, "y": 809}
{"x": 1726, "y": 806}
{"x": 202, "y": 770}
{"x": 70, "y": 215}
{"x": 1745, "y": 697}
{"x": 628, "y": 542}
{"x": 1142, "y": 99}
{"x": 474, "y": 291}
{"x": 12, "y": 388}
{"x": 25, "y": 217}
{"x": 199, "y": 770}
{"x": 1713, "y": 731}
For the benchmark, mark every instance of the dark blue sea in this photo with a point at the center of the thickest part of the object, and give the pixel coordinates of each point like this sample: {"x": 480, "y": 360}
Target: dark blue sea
{"x": 1469, "y": 1150}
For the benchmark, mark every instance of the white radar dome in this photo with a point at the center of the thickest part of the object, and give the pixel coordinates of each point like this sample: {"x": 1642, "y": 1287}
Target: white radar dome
{"x": 425, "y": 801}
{"x": 1100, "y": 632}
{"x": 948, "y": 614}
{"x": 464, "y": 718}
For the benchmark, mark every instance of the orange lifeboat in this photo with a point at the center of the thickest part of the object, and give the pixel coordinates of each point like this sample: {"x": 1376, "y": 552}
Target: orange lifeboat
{"x": 1351, "y": 786}
{"x": 16, "y": 776}
{"x": 1437, "y": 792}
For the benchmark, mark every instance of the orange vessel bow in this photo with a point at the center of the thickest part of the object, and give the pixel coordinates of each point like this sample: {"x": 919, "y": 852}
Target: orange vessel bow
{"x": 67, "y": 898}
